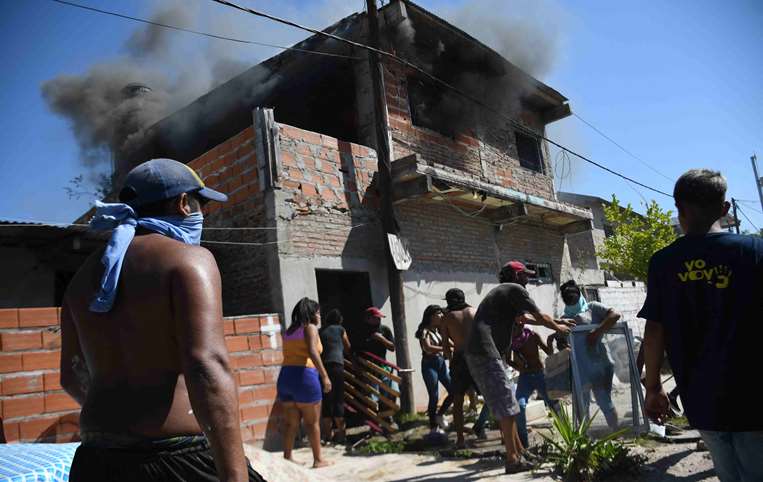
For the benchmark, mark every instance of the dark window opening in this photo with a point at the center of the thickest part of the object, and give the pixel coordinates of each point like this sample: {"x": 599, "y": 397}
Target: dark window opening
{"x": 528, "y": 150}
{"x": 542, "y": 274}
{"x": 320, "y": 99}
{"x": 429, "y": 107}
{"x": 347, "y": 291}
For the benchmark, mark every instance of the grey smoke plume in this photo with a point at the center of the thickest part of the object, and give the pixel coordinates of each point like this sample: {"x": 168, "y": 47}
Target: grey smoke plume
{"x": 526, "y": 32}
{"x": 103, "y": 118}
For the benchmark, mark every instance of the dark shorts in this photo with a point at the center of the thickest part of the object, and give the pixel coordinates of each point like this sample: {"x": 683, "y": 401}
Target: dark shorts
{"x": 299, "y": 384}
{"x": 178, "y": 458}
{"x": 461, "y": 380}
{"x": 333, "y": 402}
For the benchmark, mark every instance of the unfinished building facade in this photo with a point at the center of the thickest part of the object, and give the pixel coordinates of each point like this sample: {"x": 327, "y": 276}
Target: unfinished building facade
{"x": 292, "y": 142}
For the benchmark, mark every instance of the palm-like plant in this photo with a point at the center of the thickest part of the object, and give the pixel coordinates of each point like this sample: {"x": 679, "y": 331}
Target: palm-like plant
{"x": 575, "y": 455}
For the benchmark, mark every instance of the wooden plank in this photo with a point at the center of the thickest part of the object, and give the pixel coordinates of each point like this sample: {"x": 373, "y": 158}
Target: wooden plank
{"x": 388, "y": 413}
{"x": 360, "y": 396}
{"x": 380, "y": 361}
{"x": 365, "y": 386}
{"x": 379, "y": 370}
{"x": 380, "y": 384}
{"x": 366, "y": 411}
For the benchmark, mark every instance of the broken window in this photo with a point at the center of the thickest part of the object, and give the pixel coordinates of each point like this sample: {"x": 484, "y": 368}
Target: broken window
{"x": 427, "y": 104}
{"x": 542, "y": 272}
{"x": 528, "y": 150}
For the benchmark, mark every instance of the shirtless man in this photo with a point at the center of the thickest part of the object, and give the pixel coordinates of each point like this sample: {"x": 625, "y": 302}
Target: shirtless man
{"x": 455, "y": 326}
{"x": 142, "y": 341}
{"x": 525, "y": 357}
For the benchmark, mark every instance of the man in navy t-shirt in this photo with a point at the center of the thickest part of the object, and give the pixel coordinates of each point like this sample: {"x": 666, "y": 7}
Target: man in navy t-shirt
{"x": 704, "y": 306}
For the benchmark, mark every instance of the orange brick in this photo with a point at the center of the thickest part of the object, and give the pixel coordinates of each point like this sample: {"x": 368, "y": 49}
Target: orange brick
{"x": 251, "y": 377}
{"x": 23, "y": 406}
{"x": 254, "y": 413}
{"x": 309, "y": 190}
{"x": 246, "y": 325}
{"x": 271, "y": 357}
{"x": 11, "y": 431}
{"x": 52, "y": 381}
{"x": 22, "y": 384}
{"x": 51, "y": 339}
{"x": 29, "y": 317}
{"x": 255, "y": 342}
{"x": 28, "y": 340}
{"x": 245, "y": 397}
{"x": 259, "y": 429}
{"x": 227, "y": 324}
{"x": 9, "y": 318}
{"x": 252, "y": 360}
{"x": 31, "y": 430}
{"x": 58, "y": 402}
{"x": 10, "y": 363}
{"x": 265, "y": 392}
{"x": 236, "y": 343}
{"x": 41, "y": 360}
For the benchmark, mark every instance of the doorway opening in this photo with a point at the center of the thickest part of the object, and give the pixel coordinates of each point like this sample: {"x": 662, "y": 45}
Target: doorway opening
{"x": 347, "y": 291}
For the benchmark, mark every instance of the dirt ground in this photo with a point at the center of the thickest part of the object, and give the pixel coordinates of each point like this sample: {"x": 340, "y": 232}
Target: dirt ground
{"x": 665, "y": 462}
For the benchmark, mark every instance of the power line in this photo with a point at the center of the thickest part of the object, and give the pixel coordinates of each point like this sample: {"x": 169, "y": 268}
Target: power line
{"x": 439, "y": 81}
{"x": 739, "y": 208}
{"x": 197, "y": 32}
{"x": 596, "y": 129}
{"x": 750, "y": 207}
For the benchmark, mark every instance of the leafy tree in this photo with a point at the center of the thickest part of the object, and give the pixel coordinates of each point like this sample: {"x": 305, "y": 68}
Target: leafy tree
{"x": 98, "y": 187}
{"x": 635, "y": 238}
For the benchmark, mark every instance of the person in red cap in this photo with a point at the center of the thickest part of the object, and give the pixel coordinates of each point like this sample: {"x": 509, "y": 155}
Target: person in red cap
{"x": 379, "y": 338}
{"x": 489, "y": 342}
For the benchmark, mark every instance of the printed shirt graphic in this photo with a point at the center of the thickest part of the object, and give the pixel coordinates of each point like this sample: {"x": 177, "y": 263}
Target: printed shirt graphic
{"x": 707, "y": 292}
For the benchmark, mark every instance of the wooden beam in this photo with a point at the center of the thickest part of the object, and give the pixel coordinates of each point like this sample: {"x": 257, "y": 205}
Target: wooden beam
{"x": 365, "y": 386}
{"x": 411, "y": 189}
{"x": 379, "y": 370}
{"x": 405, "y": 168}
{"x": 367, "y": 412}
{"x": 508, "y": 213}
{"x": 360, "y": 396}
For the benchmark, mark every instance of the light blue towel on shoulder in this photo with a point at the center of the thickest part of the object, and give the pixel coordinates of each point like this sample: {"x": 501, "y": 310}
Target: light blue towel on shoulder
{"x": 122, "y": 219}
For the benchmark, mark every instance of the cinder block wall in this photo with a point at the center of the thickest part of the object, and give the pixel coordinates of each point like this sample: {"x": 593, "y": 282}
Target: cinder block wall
{"x": 35, "y": 408}
{"x": 327, "y": 188}
{"x": 231, "y": 167}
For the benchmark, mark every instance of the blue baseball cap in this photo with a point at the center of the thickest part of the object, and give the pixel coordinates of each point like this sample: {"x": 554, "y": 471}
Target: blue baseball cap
{"x": 160, "y": 179}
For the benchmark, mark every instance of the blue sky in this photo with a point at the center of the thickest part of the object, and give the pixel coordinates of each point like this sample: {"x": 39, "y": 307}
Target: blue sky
{"x": 676, "y": 83}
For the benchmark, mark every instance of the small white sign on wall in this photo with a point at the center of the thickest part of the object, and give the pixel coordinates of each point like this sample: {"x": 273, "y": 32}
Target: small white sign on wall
{"x": 398, "y": 246}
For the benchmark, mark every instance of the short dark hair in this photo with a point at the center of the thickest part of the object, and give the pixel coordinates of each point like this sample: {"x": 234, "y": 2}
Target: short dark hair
{"x": 700, "y": 187}
{"x": 333, "y": 317}
{"x": 569, "y": 288}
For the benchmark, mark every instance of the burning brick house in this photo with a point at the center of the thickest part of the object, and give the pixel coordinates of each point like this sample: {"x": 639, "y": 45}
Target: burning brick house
{"x": 292, "y": 142}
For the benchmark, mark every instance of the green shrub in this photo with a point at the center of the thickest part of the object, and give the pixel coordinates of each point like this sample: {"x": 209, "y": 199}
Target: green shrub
{"x": 576, "y": 457}
{"x": 377, "y": 447}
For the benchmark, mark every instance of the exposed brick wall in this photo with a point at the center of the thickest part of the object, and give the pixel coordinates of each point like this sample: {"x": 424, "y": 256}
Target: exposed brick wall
{"x": 487, "y": 153}
{"x": 329, "y": 186}
{"x": 441, "y": 238}
{"x": 35, "y": 408}
{"x": 232, "y": 168}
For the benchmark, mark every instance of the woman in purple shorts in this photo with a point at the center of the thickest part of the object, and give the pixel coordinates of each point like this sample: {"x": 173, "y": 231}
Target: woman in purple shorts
{"x": 301, "y": 377}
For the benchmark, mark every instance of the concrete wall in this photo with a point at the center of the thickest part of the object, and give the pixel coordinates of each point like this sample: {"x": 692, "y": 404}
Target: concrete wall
{"x": 628, "y": 300}
{"x": 26, "y": 281}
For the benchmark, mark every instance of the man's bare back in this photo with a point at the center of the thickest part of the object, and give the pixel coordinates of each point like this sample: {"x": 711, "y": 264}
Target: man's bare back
{"x": 456, "y": 326}
{"x": 136, "y": 382}
{"x": 526, "y": 358}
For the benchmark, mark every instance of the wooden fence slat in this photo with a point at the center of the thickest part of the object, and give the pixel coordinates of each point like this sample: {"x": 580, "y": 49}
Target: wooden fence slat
{"x": 379, "y": 370}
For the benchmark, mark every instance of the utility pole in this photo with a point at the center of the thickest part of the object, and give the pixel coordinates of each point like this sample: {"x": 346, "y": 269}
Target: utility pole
{"x": 758, "y": 179}
{"x": 736, "y": 218}
{"x": 387, "y": 214}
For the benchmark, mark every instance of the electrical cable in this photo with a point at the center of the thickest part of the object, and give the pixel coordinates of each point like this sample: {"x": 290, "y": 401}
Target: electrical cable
{"x": 750, "y": 207}
{"x": 597, "y": 130}
{"x": 739, "y": 208}
{"x": 439, "y": 81}
{"x": 197, "y": 32}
